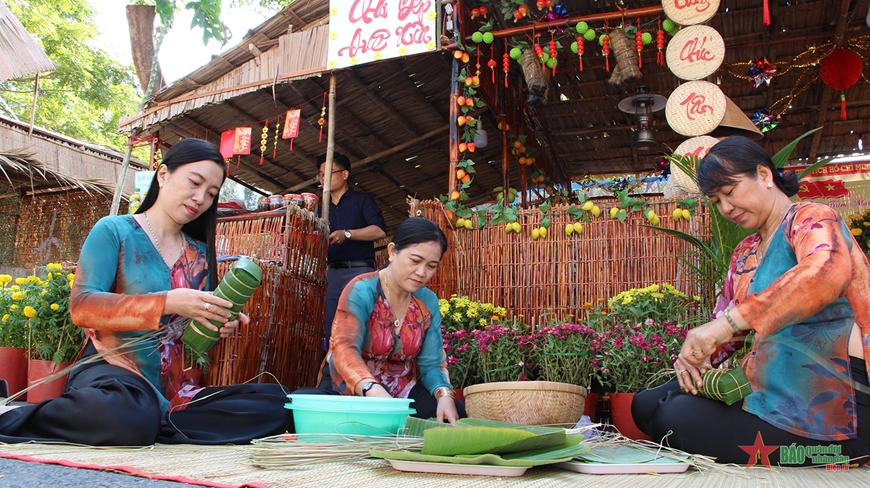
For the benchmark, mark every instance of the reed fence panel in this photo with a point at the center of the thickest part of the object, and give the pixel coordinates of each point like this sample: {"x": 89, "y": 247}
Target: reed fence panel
{"x": 560, "y": 273}
{"x": 285, "y": 335}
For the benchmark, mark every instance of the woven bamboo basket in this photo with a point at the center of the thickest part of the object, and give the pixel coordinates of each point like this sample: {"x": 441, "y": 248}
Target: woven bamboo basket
{"x": 526, "y": 402}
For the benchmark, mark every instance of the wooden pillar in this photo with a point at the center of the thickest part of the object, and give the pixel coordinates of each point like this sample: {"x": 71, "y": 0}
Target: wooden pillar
{"x": 330, "y": 150}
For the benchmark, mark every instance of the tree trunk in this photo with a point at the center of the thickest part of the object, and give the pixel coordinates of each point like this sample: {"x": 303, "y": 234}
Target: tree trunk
{"x": 140, "y": 19}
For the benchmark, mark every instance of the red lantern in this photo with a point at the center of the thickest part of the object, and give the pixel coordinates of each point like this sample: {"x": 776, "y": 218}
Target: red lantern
{"x": 840, "y": 70}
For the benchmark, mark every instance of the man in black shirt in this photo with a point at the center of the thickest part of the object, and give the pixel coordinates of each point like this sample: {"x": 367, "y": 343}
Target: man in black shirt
{"x": 355, "y": 222}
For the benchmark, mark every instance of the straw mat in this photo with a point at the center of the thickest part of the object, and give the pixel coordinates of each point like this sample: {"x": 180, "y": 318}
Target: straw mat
{"x": 224, "y": 466}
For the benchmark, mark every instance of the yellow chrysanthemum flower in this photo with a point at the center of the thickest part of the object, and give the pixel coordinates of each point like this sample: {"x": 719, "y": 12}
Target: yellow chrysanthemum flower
{"x": 70, "y": 276}
{"x": 17, "y": 295}
{"x": 20, "y": 281}
{"x": 14, "y": 287}
{"x": 857, "y": 232}
{"x": 5, "y": 317}
{"x": 482, "y": 321}
{"x": 54, "y": 267}
{"x": 13, "y": 307}
{"x": 55, "y": 307}
{"x": 30, "y": 312}
{"x": 5, "y": 279}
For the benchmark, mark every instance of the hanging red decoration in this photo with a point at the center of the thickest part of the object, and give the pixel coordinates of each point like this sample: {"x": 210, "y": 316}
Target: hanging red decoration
{"x": 580, "y": 50}
{"x": 506, "y": 67}
{"x": 492, "y": 63}
{"x": 291, "y": 125}
{"x": 840, "y": 70}
{"x": 553, "y": 53}
{"x": 638, "y": 44}
{"x": 540, "y": 52}
{"x": 605, "y": 49}
{"x": 322, "y": 120}
{"x": 660, "y": 44}
{"x": 766, "y": 13}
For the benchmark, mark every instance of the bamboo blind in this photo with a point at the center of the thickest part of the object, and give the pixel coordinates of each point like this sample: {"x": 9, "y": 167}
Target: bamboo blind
{"x": 560, "y": 273}
{"x": 287, "y": 311}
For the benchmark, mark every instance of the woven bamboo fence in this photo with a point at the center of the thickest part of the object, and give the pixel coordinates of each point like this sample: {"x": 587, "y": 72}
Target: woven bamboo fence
{"x": 47, "y": 226}
{"x": 561, "y": 273}
{"x": 287, "y": 311}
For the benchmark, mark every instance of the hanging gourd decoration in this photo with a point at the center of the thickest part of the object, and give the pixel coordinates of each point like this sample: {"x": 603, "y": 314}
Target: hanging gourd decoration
{"x": 638, "y": 44}
{"x": 577, "y": 47}
{"x": 840, "y": 70}
{"x": 553, "y": 54}
{"x": 660, "y": 44}
{"x": 264, "y": 140}
{"x": 239, "y": 284}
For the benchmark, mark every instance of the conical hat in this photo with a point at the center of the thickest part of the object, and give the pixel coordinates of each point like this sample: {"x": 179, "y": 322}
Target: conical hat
{"x": 698, "y": 147}
{"x": 735, "y": 122}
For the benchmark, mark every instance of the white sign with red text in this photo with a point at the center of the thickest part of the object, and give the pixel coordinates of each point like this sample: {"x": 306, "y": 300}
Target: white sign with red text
{"x": 362, "y": 31}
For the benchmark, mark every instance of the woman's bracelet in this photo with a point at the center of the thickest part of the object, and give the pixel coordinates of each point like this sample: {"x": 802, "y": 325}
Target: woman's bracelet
{"x": 734, "y": 327}
{"x": 443, "y": 391}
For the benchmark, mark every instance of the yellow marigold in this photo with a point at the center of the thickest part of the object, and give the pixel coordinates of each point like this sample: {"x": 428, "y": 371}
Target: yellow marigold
{"x": 70, "y": 276}
{"x": 857, "y": 232}
{"x": 5, "y": 317}
{"x": 5, "y": 279}
{"x": 54, "y": 267}
{"x": 14, "y": 287}
{"x": 866, "y": 224}
{"x": 30, "y": 312}
{"x": 20, "y": 281}
{"x": 50, "y": 276}
{"x": 55, "y": 306}
{"x": 17, "y": 295}
{"x": 13, "y": 307}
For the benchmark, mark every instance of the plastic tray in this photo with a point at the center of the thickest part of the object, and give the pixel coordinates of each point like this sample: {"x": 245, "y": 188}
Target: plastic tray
{"x": 640, "y": 468}
{"x": 464, "y": 469}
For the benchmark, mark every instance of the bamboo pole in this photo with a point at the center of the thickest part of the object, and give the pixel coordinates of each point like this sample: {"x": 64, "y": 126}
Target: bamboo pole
{"x": 330, "y": 150}
{"x": 33, "y": 106}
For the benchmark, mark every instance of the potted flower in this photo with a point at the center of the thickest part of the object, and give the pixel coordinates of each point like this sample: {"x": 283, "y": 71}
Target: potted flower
{"x": 634, "y": 357}
{"x": 53, "y": 340}
{"x": 13, "y": 340}
{"x": 459, "y": 317}
{"x": 565, "y": 353}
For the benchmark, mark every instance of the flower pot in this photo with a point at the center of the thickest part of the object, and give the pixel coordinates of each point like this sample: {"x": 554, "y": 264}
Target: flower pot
{"x": 526, "y": 402}
{"x": 13, "y": 368}
{"x": 590, "y": 406}
{"x": 38, "y": 369}
{"x": 620, "y": 406}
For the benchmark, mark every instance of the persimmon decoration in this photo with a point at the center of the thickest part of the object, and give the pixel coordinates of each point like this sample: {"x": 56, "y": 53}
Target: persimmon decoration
{"x": 660, "y": 44}
{"x": 840, "y": 70}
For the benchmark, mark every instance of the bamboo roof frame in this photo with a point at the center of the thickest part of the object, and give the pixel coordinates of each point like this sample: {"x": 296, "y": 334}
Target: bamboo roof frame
{"x": 582, "y": 134}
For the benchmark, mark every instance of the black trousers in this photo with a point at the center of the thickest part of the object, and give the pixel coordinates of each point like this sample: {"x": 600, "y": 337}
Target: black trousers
{"x": 703, "y": 426}
{"x": 424, "y": 402}
{"x": 105, "y": 405}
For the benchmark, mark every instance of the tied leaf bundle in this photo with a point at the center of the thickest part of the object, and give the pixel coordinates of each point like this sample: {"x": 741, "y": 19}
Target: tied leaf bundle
{"x": 239, "y": 284}
{"x": 725, "y": 385}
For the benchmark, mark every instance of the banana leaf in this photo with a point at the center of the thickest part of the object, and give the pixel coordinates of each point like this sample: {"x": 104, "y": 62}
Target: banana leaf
{"x": 450, "y": 441}
{"x": 526, "y": 459}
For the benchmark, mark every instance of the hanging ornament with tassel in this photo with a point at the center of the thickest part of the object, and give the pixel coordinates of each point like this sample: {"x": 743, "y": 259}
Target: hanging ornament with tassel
{"x": 840, "y": 70}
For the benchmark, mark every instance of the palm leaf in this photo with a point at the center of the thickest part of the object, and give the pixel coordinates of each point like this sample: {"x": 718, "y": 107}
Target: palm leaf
{"x": 781, "y": 158}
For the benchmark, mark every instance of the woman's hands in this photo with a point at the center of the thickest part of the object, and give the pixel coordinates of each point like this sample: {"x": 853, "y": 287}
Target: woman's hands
{"x": 447, "y": 410}
{"x": 203, "y": 307}
{"x": 700, "y": 344}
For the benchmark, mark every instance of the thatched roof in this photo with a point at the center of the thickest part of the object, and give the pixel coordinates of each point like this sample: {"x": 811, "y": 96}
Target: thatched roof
{"x": 54, "y": 159}
{"x": 25, "y": 173}
{"x": 392, "y": 116}
{"x": 20, "y": 54}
